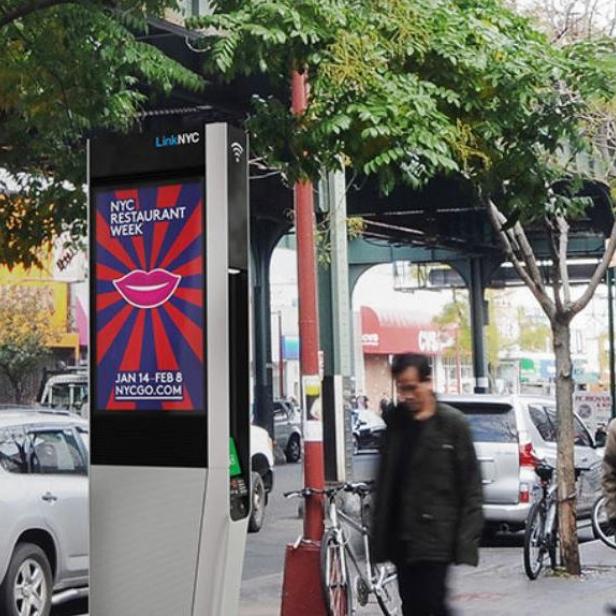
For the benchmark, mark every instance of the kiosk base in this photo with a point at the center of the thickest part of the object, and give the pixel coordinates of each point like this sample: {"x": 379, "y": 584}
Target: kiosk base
{"x": 302, "y": 593}
{"x": 145, "y": 534}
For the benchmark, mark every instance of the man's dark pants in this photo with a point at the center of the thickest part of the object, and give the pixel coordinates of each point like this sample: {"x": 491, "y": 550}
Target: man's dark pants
{"x": 423, "y": 588}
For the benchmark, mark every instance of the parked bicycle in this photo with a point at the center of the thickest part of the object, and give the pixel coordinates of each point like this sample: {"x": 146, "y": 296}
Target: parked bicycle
{"x": 541, "y": 534}
{"x": 601, "y": 525}
{"x": 344, "y": 593}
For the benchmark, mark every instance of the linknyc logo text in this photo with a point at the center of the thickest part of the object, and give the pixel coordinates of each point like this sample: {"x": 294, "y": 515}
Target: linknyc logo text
{"x": 166, "y": 141}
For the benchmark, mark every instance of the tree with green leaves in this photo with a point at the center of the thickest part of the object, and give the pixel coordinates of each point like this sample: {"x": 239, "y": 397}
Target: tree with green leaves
{"x": 535, "y": 335}
{"x": 418, "y": 89}
{"x": 26, "y": 334}
{"x": 456, "y": 312}
{"x": 67, "y": 68}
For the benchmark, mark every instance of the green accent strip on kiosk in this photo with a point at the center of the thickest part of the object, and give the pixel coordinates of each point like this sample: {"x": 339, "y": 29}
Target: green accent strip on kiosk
{"x": 234, "y": 462}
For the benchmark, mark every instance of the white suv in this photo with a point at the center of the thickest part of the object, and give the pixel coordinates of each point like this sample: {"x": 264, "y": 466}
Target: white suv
{"x": 43, "y": 510}
{"x": 262, "y": 464}
{"x": 44, "y": 507}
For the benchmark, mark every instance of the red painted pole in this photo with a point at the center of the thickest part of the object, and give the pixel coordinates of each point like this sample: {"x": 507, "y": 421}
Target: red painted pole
{"x": 302, "y": 594}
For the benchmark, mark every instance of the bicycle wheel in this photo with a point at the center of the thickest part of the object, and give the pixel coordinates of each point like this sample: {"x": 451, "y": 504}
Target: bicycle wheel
{"x": 553, "y": 544}
{"x": 550, "y": 533}
{"x": 386, "y": 593}
{"x": 335, "y": 578}
{"x": 534, "y": 542}
{"x": 601, "y": 523}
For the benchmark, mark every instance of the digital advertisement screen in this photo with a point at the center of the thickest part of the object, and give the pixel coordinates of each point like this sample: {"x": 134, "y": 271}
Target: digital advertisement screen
{"x": 149, "y": 297}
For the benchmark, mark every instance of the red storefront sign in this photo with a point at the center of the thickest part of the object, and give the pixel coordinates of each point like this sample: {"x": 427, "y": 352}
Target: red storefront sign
{"x": 386, "y": 332}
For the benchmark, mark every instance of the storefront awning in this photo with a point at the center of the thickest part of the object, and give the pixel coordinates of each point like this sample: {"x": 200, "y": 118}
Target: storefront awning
{"x": 387, "y": 332}
{"x": 82, "y": 322}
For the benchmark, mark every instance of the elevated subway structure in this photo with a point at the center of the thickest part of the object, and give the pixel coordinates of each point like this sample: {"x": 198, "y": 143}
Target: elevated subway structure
{"x": 442, "y": 224}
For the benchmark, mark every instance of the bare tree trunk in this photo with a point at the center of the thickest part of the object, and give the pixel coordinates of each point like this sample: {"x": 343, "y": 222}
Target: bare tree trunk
{"x": 565, "y": 441}
{"x": 519, "y": 252}
{"x": 19, "y": 391}
{"x": 16, "y": 384}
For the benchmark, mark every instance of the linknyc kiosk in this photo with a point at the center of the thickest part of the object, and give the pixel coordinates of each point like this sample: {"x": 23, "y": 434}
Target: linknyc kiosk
{"x": 169, "y": 335}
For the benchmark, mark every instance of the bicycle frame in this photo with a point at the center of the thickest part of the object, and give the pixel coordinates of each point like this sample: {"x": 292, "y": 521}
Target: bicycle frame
{"x": 552, "y": 509}
{"x": 376, "y": 578}
{"x": 373, "y": 583}
{"x": 549, "y": 503}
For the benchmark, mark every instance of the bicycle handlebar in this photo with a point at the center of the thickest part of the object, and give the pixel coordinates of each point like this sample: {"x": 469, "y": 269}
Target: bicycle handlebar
{"x": 360, "y": 488}
{"x": 304, "y": 492}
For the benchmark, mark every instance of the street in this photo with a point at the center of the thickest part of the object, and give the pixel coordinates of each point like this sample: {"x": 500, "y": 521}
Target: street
{"x": 264, "y": 550}
{"x": 497, "y": 586}
{"x": 314, "y": 221}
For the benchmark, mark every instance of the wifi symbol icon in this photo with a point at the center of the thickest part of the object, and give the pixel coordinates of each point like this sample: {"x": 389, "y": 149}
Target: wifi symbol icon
{"x": 237, "y": 150}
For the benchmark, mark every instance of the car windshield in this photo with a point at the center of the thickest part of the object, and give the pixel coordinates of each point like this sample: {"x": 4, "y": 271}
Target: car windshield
{"x": 490, "y": 423}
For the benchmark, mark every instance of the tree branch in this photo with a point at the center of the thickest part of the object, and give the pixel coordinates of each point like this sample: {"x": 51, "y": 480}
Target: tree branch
{"x": 555, "y": 264}
{"x": 529, "y": 256}
{"x": 536, "y": 286}
{"x": 597, "y": 276}
{"x": 519, "y": 244}
{"x": 563, "y": 239}
{"x": 27, "y": 8}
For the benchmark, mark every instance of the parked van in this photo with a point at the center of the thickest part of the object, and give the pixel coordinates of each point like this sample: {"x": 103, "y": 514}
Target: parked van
{"x": 66, "y": 391}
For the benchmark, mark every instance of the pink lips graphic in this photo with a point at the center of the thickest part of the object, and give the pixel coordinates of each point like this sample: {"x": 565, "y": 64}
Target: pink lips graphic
{"x": 147, "y": 289}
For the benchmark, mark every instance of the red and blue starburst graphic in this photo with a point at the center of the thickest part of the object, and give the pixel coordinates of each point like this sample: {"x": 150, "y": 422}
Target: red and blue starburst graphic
{"x": 149, "y": 298}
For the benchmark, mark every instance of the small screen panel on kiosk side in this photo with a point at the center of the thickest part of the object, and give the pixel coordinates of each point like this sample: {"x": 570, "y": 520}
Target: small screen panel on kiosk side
{"x": 149, "y": 297}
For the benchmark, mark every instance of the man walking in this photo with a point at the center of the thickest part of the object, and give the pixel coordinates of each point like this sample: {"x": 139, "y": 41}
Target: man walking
{"x": 427, "y": 511}
{"x": 609, "y": 486}
{"x": 609, "y": 473}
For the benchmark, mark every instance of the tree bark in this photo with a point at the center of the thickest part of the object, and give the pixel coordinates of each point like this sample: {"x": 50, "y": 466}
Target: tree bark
{"x": 565, "y": 465}
{"x": 15, "y": 384}
{"x": 19, "y": 392}
{"x": 560, "y": 313}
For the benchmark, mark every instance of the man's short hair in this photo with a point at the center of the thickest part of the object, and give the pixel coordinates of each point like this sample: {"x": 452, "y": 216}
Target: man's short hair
{"x": 418, "y": 361}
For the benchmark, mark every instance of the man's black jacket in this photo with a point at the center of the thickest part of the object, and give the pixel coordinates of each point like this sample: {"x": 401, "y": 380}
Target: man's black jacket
{"x": 445, "y": 481}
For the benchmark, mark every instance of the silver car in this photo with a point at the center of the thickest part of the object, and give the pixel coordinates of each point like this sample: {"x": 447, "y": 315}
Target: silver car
{"x": 510, "y": 433}
{"x": 287, "y": 429}
{"x": 43, "y": 510}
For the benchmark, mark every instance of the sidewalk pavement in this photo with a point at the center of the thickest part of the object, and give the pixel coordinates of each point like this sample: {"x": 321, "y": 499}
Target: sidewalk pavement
{"x": 492, "y": 589}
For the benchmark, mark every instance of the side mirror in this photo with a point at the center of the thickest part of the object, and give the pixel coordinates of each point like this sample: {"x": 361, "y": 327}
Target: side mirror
{"x": 600, "y": 440}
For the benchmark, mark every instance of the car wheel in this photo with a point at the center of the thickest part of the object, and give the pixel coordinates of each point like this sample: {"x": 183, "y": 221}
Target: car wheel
{"x": 294, "y": 449}
{"x": 258, "y": 504}
{"x": 27, "y": 586}
{"x": 355, "y": 445}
